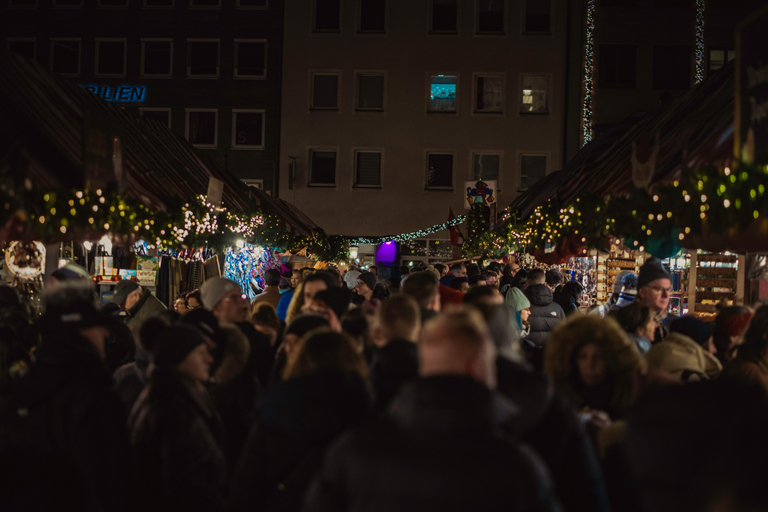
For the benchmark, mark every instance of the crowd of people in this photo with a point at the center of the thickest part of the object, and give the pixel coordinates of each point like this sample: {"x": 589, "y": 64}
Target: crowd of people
{"x": 391, "y": 388}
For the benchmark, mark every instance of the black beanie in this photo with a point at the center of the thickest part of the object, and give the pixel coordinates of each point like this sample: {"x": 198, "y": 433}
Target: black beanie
{"x": 368, "y": 278}
{"x": 335, "y": 298}
{"x": 694, "y": 328}
{"x": 177, "y": 341}
{"x": 652, "y": 270}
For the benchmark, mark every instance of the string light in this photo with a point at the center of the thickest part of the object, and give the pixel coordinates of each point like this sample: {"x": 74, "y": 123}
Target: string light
{"x": 586, "y": 110}
{"x": 700, "y": 4}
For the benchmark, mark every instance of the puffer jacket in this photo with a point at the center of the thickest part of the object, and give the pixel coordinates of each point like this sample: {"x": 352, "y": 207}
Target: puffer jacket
{"x": 545, "y": 314}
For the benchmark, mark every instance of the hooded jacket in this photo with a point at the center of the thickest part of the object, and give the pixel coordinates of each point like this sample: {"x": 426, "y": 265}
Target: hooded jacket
{"x": 438, "y": 448}
{"x": 545, "y": 314}
{"x": 682, "y": 357}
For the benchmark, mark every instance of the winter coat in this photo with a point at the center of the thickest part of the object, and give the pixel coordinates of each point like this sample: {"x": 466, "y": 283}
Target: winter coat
{"x": 147, "y": 306}
{"x": 744, "y": 370}
{"x": 551, "y": 427}
{"x": 270, "y": 295}
{"x": 393, "y": 365}
{"x": 261, "y": 356}
{"x": 567, "y": 302}
{"x": 131, "y": 379}
{"x": 120, "y": 347}
{"x": 300, "y": 418}
{"x": 682, "y": 357}
{"x": 177, "y": 439}
{"x": 545, "y": 314}
{"x": 438, "y": 448}
{"x": 66, "y": 427}
{"x": 282, "y": 306}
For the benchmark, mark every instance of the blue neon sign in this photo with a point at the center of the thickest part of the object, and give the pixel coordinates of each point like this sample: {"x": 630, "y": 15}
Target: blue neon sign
{"x": 122, "y": 93}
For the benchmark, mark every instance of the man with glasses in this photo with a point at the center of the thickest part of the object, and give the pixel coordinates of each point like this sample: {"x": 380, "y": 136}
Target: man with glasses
{"x": 654, "y": 288}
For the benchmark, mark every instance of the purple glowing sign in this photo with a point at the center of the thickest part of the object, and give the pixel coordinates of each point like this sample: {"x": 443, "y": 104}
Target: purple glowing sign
{"x": 386, "y": 253}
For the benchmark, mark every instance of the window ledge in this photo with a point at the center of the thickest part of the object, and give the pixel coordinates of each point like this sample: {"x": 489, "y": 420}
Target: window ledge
{"x": 535, "y": 113}
{"x": 439, "y": 189}
{"x": 370, "y": 187}
{"x": 321, "y": 185}
{"x": 451, "y": 112}
{"x": 372, "y": 110}
{"x": 323, "y": 109}
{"x": 488, "y": 112}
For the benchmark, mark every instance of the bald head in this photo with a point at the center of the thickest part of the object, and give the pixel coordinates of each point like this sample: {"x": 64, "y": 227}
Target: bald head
{"x": 458, "y": 343}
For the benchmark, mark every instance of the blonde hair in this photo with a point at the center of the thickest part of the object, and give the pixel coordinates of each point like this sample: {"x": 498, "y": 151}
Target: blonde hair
{"x": 297, "y": 302}
{"x": 324, "y": 349}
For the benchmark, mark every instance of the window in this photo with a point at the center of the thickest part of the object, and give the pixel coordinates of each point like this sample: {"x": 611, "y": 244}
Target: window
{"x": 485, "y": 166}
{"x": 617, "y": 66}
{"x": 203, "y": 58}
{"x": 444, "y": 16}
{"x": 370, "y": 91}
{"x": 205, "y": 4}
{"x": 373, "y": 16}
{"x": 490, "y": 17}
{"x": 250, "y": 58}
{"x": 71, "y": 4}
{"x": 440, "y": 171}
{"x": 21, "y": 46}
{"x": 202, "y": 127}
{"x": 537, "y": 17}
{"x": 247, "y": 129}
{"x": 322, "y": 170}
{"x": 672, "y": 67}
{"x": 442, "y": 93}
{"x": 65, "y": 56}
{"x": 110, "y": 57}
{"x": 327, "y": 15}
{"x": 533, "y": 98}
{"x": 162, "y": 115}
{"x": 22, "y": 4}
{"x": 489, "y": 94}
{"x": 252, "y": 4}
{"x": 325, "y": 91}
{"x": 367, "y": 168}
{"x": 718, "y": 57}
{"x": 532, "y": 169}
{"x": 113, "y": 3}
{"x": 157, "y": 58}
{"x": 158, "y": 4}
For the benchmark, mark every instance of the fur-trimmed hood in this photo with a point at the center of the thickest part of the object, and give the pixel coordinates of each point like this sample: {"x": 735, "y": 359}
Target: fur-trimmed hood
{"x": 622, "y": 357}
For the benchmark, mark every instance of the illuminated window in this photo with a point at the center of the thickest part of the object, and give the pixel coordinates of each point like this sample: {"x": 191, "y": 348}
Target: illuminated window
{"x": 322, "y": 170}
{"x": 65, "y": 56}
{"x": 370, "y": 91}
{"x": 325, "y": 91}
{"x": 719, "y": 57}
{"x": 444, "y": 16}
{"x": 110, "y": 57}
{"x": 439, "y": 171}
{"x": 203, "y": 58}
{"x": 161, "y": 115}
{"x": 248, "y": 129}
{"x": 250, "y": 58}
{"x": 157, "y": 58}
{"x": 202, "y": 127}
{"x": 442, "y": 93}
{"x": 367, "y": 168}
{"x": 534, "y": 94}
{"x": 490, "y": 17}
{"x": 489, "y": 93}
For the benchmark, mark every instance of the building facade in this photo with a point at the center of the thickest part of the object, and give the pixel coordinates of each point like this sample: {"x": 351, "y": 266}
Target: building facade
{"x": 390, "y": 107}
{"x": 209, "y": 69}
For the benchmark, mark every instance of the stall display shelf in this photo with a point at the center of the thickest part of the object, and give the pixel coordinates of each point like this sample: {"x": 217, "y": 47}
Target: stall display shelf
{"x": 717, "y": 280}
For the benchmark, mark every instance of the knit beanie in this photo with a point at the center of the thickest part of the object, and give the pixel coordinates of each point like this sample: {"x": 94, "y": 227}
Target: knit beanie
{"x": 177, "y": 341}
{"x": 214, "y": 289}
{"x": 517, "y": 300}
{"x": 369, "y": 278}
{"x": 350, "y": 278}
{"x": 384, "y": 274}
{"x": 652, "y": 270}
{"x": 733, "y": 320}
{"x": 629, "y": 290}
{"x": 335, "y": 298}
{"x": 694, "y": 328}
{"x": 122, "y": 290}
{"x": 618, "y": 281}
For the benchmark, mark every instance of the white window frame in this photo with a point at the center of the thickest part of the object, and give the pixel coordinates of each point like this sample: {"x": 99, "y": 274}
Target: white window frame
{"x": 54, "y": 6}
{"x": 521, "y": 78}
{"x": 145, "y": 6}
{"x": 357, "y": 150}
{"x": 370, "y": 72}
{"x": 360, "y": 31}
{"x": 34, "y": 6}
{"x": 99, "y": 6}
{"x": 203, "y": 7}
{"x": 218, "y": 59}
{"x": 451, "y": 152}
{"x": 54, "y": 40}
{"x": 498, "y": 152}
{"x": 144, "y": 40}
{"x": 215, "y": 144}
{"x": 251, "y": 182}
{"x": 429, "y": 92}
{"x": 157, "y": 109}
{"x": 125, "y": 56}
{"x": 503, "y": 110}
{"x": 312, "y": 74}
{"x": 519, "y": 165}
{"x": 9, "y": 40}
{"x": 236, "y": 111}
{"x": 250, "y": 77}
{"x": 477, "y": 32}
{"x": 252, "y": 7}
{"x": 319, "y": 149}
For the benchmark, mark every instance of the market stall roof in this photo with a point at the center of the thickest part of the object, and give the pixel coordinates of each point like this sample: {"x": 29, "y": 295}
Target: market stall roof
{"x": 291, "y": 215}
{"x": 44, "y": 119}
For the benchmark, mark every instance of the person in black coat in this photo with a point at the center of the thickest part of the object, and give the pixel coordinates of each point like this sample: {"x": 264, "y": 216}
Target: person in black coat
{"x": 545, "y": 315}
{"x": 568, "y": 298}
{"x": 176, "y": 433}
{"x": 324, "y": 393}
{"x": 439, "y": 447}
{"x": 63, "y": 427}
